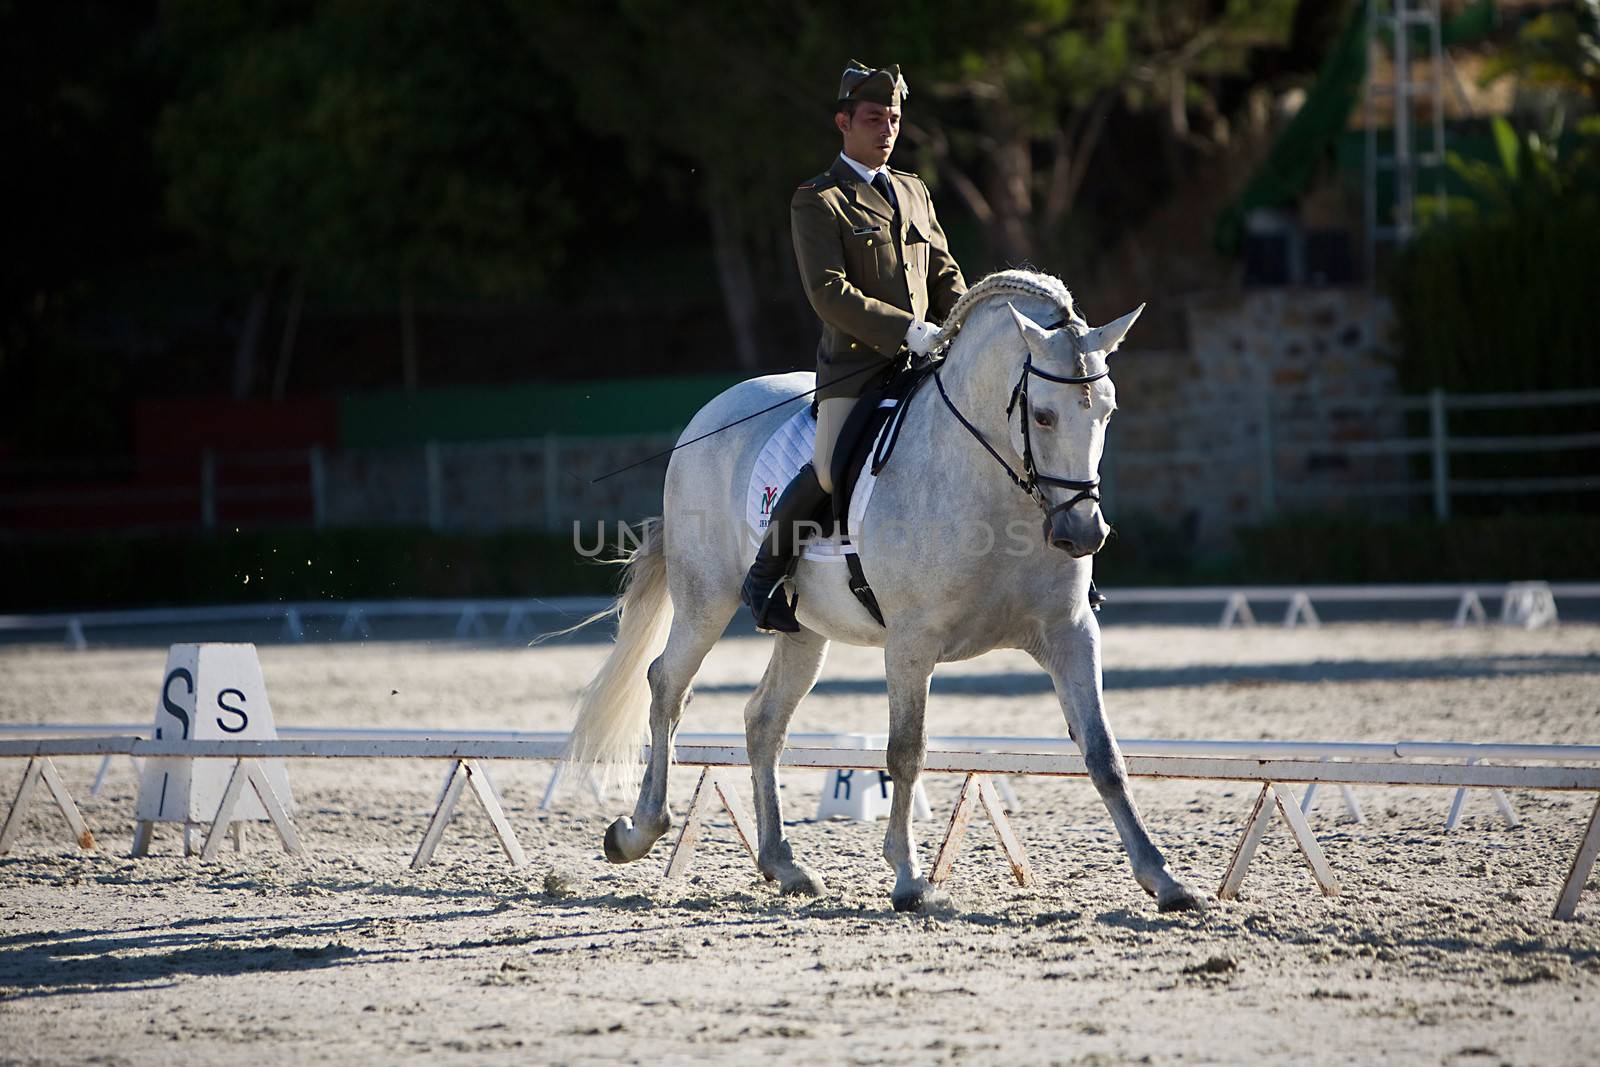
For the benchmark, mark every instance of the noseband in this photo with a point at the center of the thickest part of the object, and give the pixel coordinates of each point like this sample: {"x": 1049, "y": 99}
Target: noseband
{"x": 1030, "y": 480}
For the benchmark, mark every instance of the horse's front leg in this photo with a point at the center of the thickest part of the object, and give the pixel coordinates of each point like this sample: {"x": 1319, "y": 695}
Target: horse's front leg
{"x": 908, "y": 671}
{"x": 1073, "y": 660}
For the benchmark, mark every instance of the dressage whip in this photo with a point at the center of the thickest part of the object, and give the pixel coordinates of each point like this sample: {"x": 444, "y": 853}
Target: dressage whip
{"x": 735, "y": 422}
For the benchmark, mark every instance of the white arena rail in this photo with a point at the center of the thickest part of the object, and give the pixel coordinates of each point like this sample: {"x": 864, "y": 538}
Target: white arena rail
{"x": 472, "y": 616}
{"x": 1471, "y": 752}
{"x": 355, "y": 616}
{"x": 465, "y": 756}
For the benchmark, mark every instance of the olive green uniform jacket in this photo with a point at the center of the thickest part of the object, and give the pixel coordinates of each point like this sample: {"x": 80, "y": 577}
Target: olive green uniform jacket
{"x": 868, "y": 280}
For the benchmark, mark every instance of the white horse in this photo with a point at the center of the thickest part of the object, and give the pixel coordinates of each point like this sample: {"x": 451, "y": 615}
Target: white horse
{"x": 968, "y": 573}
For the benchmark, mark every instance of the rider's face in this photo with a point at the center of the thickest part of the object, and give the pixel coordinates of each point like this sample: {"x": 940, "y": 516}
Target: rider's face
{"x": 869, "y": 134}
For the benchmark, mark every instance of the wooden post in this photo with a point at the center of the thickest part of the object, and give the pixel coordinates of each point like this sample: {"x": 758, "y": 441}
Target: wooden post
{"x": 552, "y": 482}
{"x": 1269, "y": 798}
{"x": 317, "y": 470}
{"x": 1266, "y": 458}
{"x": 975, "y": 790}
{"x": 435, "y": 475}
{"x": 42, "y": 768}
{"x": 1582, "y": 864}
{"x": 466, "y": 772}
{"x": 1439, "y": 434}
{"x": 712, "y": 786}
{"x": 247, "y": 772}
{"x": 1254, "y": 828}
{"x": 208, "y": 489}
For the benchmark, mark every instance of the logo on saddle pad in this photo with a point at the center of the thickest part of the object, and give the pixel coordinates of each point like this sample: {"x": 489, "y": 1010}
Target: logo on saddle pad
{"x": 769, "y": 497}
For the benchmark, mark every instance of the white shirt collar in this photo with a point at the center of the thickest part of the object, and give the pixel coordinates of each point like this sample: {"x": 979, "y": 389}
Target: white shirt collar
{"x": 866, "y": 174}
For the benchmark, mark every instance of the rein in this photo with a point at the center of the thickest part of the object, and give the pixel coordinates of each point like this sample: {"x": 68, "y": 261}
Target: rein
{"x": 1030, "y": 480}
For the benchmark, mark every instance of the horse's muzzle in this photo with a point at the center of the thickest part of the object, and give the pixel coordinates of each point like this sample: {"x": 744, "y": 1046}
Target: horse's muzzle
{"x": 1078, "y": 531}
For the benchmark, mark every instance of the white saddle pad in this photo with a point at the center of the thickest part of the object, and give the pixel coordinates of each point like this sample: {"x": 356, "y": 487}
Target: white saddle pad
{"x": 785, "y": 452}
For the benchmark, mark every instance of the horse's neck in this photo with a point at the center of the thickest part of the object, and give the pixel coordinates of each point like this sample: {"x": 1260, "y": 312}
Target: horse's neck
{"x": 974, "y": 376}
{"x": 978, "y": 374}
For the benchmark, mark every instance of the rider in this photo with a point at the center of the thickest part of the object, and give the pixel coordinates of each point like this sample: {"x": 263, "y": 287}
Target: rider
{"x": 879, "y": 274}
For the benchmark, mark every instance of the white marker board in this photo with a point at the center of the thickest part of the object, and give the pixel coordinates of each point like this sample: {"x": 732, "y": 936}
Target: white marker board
{"x": 208, "y": 692}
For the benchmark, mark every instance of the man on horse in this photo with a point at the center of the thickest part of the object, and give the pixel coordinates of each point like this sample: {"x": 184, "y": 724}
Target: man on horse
{"x": 878, "y": 271}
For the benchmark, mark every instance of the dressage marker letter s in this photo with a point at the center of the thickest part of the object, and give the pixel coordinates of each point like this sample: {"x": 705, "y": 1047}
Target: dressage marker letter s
{"x": 209, "y": 692}
{"x": 244, "y": 720}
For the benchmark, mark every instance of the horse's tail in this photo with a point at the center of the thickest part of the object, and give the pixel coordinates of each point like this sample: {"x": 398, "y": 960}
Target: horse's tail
{"x": 613, "y": 721}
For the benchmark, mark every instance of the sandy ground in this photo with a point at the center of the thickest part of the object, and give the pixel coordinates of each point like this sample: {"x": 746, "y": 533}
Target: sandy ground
{"x": 1441, "y": 949}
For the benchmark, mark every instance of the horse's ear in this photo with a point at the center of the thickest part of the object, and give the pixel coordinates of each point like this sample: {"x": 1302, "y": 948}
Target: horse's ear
{"x": 1032, "y": 332}
{"x": 1106, "y": 338}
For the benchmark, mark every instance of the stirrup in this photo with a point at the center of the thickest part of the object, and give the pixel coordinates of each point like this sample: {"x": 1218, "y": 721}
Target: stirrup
{"x": 772, "y": 610}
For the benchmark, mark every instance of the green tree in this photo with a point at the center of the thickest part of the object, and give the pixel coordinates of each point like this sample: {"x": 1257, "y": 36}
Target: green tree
{"x": 721, "y": 106}
{"x": 1025, "y": 90}
{"x": 727, "y": 105}
{"x": 367, "y": 148}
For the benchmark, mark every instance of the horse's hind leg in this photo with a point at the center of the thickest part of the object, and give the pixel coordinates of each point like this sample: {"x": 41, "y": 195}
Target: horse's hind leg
{"x": 796, "y": 662}
{"x": 671, "y": 675}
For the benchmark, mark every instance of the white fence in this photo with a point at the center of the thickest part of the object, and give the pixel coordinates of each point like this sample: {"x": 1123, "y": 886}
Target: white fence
{"x": 1304, "y": 457}
{"x": 512, "y": 618}
{"x": 1343, "y": 449}
{"x": 976, "y": 763}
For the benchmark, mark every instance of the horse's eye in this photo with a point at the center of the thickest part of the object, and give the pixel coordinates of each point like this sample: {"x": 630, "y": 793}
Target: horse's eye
{"x": 1044, "y": 419}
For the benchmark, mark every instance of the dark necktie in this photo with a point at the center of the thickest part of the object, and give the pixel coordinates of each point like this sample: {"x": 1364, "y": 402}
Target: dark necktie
{"x": 880, "y": 182}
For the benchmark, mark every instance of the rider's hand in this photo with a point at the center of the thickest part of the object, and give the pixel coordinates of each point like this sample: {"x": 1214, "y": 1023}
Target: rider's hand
{"x": 921, "y": 337}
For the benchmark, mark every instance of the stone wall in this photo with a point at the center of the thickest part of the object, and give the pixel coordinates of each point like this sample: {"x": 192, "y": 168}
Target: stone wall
{"x": 1270, "y": 410}
{"x": 1265, "y": 413}
{"x": 536, "y": 484}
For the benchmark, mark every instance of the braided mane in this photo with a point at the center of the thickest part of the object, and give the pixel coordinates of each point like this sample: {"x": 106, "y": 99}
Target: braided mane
{"x": 1025, "y": 283}
{"x": 1011, "y": 283}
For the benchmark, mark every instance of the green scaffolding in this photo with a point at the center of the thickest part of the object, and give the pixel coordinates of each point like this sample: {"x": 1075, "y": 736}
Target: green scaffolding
{"x": 1314, "y": 132}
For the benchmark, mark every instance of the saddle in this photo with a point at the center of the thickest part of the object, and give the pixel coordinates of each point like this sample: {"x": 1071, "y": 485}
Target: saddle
{"x": 869, "y": 436}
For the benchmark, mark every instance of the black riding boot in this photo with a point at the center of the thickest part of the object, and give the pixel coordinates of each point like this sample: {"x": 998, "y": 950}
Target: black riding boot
{"x": 780, "y": 549}
{"x": 1096, "y": 597}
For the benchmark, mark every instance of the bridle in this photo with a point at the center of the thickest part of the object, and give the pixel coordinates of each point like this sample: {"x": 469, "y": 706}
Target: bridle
{"x": 1030, "y": 480}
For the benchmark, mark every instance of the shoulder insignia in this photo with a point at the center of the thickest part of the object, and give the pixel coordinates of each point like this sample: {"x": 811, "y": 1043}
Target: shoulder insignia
{"x": 823, "y": 181}
{"x": 904, "y": 173}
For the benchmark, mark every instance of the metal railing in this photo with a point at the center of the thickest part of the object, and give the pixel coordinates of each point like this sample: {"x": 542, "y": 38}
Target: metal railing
{"x": 548, "y": 482}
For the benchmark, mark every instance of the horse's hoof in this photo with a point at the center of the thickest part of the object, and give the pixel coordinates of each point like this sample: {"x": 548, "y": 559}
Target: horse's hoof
{"x": 614, "y": 850}
{"x": 921, "y": 898}
{"x": 801, "y": 882}
{"x": 1180, "y": 898}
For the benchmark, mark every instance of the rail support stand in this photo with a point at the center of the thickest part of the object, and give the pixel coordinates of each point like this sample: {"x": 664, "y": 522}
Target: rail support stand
{"x": 1582, "y": 866}
{"x": 975, "y": 790}
{"x": 1300, "y": 611}
{"x": 1274, "y": 797}
{"x": 464, "y": 772}
{"x": 716, "y": 784}
{"x": 355, "y": 624}
{"x": 247, "y": 772}
{"x": 42, "y": 767}
{"x": 1352, "y": 806}
{"x": 1501, "y": 801}
{"x": 1237, "y": 610}
{"x": 1470, "y": 607}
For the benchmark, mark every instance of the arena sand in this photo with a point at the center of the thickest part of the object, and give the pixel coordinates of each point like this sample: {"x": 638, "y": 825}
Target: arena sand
{"x": 1440, "y": 950}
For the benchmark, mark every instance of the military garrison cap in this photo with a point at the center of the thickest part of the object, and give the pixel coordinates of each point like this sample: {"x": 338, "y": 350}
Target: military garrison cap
{"x": 875, "y": 85}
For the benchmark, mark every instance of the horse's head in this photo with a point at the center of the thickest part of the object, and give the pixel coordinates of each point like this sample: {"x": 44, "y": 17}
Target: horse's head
{"x": 1063, "y": 400}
